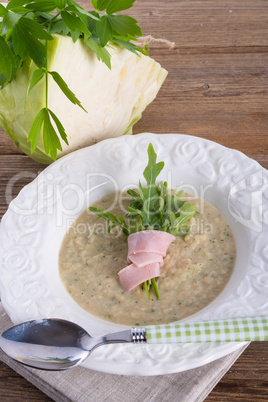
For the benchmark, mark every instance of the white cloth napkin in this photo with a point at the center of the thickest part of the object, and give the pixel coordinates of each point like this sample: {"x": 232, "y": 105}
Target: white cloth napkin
{"x": 85, "y": 385}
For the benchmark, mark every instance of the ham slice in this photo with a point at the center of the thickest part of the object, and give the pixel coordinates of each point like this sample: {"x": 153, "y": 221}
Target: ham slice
{"x": 141, "y": 259}
{"x": 132, "y": 276}
{"x": 146, "y": 250}
{"x": 149, "y": 241}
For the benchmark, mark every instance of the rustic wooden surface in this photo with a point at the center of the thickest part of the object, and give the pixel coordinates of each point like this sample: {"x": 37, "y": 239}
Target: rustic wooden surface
{"x": 217, "y": 88}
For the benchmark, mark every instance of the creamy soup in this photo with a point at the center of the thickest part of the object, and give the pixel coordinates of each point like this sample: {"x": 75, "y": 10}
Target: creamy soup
{"x": 196, "y": 268}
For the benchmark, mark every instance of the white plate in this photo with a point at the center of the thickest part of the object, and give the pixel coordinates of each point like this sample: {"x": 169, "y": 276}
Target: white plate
{"x": 33, "y": 228}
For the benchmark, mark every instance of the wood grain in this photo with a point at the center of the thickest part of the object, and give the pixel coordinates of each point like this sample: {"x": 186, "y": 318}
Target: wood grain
{"x": 217, "y": 88}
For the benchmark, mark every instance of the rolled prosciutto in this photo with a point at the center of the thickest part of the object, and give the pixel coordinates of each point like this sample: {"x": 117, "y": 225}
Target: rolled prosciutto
{"x": 146, "y": 250}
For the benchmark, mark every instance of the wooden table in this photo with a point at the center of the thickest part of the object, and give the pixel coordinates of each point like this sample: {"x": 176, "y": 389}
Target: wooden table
{"x": 217, "y": 88}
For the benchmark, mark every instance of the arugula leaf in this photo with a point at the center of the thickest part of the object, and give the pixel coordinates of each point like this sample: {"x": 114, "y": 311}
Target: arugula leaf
{"x": 65, "y": 89}
{"x": 151, "y": 172}
{"x": 112, "y": 220}
{"x": 152, "y": 207}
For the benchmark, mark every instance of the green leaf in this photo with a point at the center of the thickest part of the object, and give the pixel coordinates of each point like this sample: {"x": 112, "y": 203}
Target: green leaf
{"x": 186, "y": 212}
{"x": 91, "y": 14}
{"x": 50, "y": 138}
{"x": 104, "y": 30}
{"x": 34, "y": 29}
{"x": 119, "y": 5}
{"x": 129, "y": 46}
{"x": 95, "y": 4}
{"x": 37, "y": 76}
{"x": 101, "y": 52}
{"x": 60, "y": 27}
{"x": 35, "y": 49}
{"x": 18, "y": 42}
{"x": 7, "y": 61}
{"x": 9, "y": 21}
{"x": 100, "y": 5}
{"x": 124, "y": 25}
{"x": 153, "y": 169}
{"x": 3, "y": 10}
{"x": 60, "y": 127}
{"x": 42, "y": 124}
{"x": 42, "y": 6}
{"x": 150, "y": 174}
{"x": 65, "y": 89}
{"x": 75, "y": 35}
{"x": 74, "y": 23}
{"x": 3, "y": 80}
{"x": 111, "y": 219}
{"x": 14, "y": 4}
{"x": 24, "y": 41}
{"x": 36, "y": 129}
{"x": 60, "y": 3}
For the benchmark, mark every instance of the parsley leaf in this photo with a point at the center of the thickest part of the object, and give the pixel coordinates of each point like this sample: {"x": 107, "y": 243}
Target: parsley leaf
{"x": 104, "y": 30}
{"x": 118, "y": 5}
{"x": 101, "y": 52}
{"x": 125, "y": 26}
{"x": 37, "y": 76}
{"x": 65, "y": 89}
{"x": 6, "y": 59}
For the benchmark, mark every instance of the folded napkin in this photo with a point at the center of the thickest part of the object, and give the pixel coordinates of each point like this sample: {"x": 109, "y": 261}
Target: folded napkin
{"x": 80, "y": 384}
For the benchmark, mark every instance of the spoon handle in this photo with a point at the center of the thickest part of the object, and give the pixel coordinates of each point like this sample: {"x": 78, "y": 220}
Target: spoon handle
{"x": 228, "y": 330}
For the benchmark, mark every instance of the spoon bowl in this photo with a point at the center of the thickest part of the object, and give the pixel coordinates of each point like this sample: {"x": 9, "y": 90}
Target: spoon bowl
{"x": 63, "y": 344}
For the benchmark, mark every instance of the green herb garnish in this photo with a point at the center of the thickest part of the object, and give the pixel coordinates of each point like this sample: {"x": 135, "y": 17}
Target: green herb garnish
{"x": 27, "y": 27}
{"x": 152, "y": 207}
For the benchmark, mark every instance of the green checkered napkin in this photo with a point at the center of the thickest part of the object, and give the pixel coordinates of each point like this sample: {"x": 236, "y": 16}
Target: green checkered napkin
{"x": 234, "y": 330}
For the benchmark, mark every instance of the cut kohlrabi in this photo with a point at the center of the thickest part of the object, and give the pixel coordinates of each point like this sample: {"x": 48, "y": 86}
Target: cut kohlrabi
{"x": 113, "y": 98}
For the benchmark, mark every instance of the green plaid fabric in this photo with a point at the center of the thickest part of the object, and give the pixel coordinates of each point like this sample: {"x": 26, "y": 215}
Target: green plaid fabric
{"x": 234, "y": 330}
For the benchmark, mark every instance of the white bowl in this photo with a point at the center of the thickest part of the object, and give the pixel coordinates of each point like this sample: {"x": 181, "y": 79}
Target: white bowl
{"x": 33, "y": 228}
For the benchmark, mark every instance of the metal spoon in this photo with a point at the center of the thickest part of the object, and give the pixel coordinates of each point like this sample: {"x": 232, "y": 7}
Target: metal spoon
{"x": 55, "y": 344}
